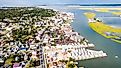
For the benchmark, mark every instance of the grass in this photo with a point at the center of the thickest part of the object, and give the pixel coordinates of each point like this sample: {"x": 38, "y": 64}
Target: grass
{"x": 116, "y": 13}
{"x": 101, "y": 28}
{"x": 102, "y": 10}
{"x": 90, "y": 15}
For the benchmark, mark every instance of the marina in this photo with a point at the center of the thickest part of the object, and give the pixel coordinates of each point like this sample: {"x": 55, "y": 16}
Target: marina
{"x": 99, "y": 52}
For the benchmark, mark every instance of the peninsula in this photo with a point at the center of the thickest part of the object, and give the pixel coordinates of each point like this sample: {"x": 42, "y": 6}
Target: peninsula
{"x": 103, "y": 29}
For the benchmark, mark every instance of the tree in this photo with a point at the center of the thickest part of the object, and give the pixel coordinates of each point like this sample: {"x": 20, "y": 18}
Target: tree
{"x": 70, "y": 65}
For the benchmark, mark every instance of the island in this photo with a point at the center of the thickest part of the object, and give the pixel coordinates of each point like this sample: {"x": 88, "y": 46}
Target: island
{"x": 103, "y": 29}
{"x": 42, "y": 38}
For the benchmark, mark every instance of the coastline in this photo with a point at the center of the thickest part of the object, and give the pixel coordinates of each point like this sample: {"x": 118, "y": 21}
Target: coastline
{"x": 74, "y": 50}
{"x": 105, "y": 30}
{"x": 54, "y": 41}
{"x": 103, "y": 34}
{"x": 99, "y": 8}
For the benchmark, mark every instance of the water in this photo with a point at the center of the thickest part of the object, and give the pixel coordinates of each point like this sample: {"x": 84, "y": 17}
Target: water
{"x": 110, "y": 47}
{"x": 113, "y": 49}
{"x": 112, "y": 21}
{"x": 41, "y": 2}
{"x": 80, "y": 25}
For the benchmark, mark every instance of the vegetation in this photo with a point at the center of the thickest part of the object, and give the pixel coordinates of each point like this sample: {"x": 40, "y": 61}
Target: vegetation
{"x": 102, "y": 10}
{"x": 102, "y": 28}
{"x": 116, "y": 13}
{"x": 90, "y": 15}
{"x": 16, "y": 13}
{"x": 83, "y": 41}
{"x": 9, "y": 60}
{"x": 23, "y": 34}
{"x": 70, "y": 63}
{"x": 23, "y": 20}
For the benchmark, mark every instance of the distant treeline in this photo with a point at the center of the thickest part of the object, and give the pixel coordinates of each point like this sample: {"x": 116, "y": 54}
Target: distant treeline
{"x": 18, "y": 12}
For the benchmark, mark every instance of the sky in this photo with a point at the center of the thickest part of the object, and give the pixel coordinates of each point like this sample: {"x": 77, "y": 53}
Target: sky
{"x": 40, "y": 2}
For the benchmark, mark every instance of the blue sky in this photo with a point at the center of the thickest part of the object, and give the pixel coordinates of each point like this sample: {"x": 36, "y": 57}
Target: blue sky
{"x": 39, "y": 2}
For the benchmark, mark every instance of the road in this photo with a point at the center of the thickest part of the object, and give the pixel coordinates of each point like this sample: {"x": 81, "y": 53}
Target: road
{"x": 42, "y": 58}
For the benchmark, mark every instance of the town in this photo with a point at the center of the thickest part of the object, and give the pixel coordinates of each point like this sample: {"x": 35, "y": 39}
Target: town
{"x": 41, "y": 38}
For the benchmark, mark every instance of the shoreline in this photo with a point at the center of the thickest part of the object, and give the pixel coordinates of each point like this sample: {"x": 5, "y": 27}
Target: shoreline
{"x": 51, "y": 41}
{"x": 74, "y": 50}
{"x": 105, "y": 30}
{"x": 105, "y": 35}
{"x": 95, "y": 8}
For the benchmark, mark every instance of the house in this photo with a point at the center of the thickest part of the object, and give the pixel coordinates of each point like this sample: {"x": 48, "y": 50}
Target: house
{"x": 17, "y": 65}
{"x": 108, "y": 33}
